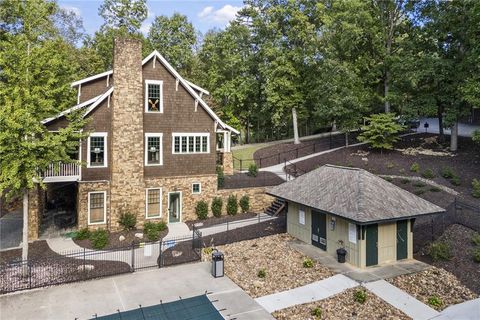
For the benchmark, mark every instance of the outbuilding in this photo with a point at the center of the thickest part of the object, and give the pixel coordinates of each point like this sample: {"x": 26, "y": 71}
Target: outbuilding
{"x": 336, "y": 207}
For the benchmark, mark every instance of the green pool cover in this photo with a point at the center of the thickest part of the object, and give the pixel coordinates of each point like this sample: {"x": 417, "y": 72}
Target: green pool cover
{"x": 198, "y": 308}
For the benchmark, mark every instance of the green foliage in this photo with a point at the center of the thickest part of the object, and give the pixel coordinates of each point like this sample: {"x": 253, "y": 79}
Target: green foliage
{"x": 415, "y": 167}
{"x": 476, "y": 255}
{"x": 440, "y": 251}
{"x": 428, "y": 174}
{"x": 419, "y": 191}
{"x": 153, "y": 229}
{"x": 252, "y": 170}
{"x": 476, "y": 239}
{"x": 232, "y": 205}
{"x": 455, "y": 181}
{"x": 82, "y": 234}
{"x": 419, "y": 184}
{"x": 476, "y": 136}
{"x": 381, "y": 132}
{"x": 127, "y": 220}
{"x": 387, "y": 178}
{"x": 244, "y": 203}
{"x": 207, "y": 251}
{"x": 99, "y": 239}
{"x": 201, "y": 210}
{"x": 220, "y": 177}
{"x": 360, "y": 296}
{"x": 217, "y": 204}
{"x": 435, "y": 301}
{"x": 317, "y": 313}
{"x": 476, "y": 188}
{"x": 262, "y": 273}
{"x": 435, "y": 189}
{"x": 125, "y": 15}
{"x": 447, "y": 173}
{"x": 405, "y": 181}
{"x": 308, "y": 263}
{"x": 390, "y": 165}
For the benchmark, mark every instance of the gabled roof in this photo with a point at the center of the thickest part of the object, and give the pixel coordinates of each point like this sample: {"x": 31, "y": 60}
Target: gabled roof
{"x": 187, "y": 85}
{"x": 354, "y": 194}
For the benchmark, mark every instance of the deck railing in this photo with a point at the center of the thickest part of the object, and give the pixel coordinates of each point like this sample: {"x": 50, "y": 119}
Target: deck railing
{"x": 62, "y": 170}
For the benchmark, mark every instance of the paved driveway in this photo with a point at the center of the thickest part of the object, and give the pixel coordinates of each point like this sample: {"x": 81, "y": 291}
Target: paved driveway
{"x": 11, "y": 230}
{"x": 464, "y": 129}
{"x": 105, "y": 296}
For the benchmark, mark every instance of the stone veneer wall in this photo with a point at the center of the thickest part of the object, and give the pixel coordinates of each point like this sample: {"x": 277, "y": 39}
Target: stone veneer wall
{"x": 82, "y": 203}
{"x": 36, "y": 205}
{"x": 228, "y": 163}
{"x": 127, "y": 189}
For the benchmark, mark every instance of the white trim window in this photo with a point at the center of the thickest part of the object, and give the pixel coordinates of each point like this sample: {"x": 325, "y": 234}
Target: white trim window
{"x": 301, "y": 215}
{"x": 196, "y": 188}
{"x": 97, "y": 207}
{"x": 190, "y": 143}
{"x": 154, "y": 96}
{"x": 153, "y": 203}
{"x": 153, "y": 149}
{"x": 97, "y": 150}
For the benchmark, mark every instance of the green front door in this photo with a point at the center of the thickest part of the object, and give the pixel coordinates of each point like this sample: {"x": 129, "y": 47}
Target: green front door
{"x": 319, "y": 230}
{"x": 402, "y": 240}
{"x": 372, "y": 245}
{"x": 174, "y": 207}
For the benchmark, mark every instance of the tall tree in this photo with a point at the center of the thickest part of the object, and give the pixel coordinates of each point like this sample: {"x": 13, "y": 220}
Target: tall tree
{"x": 124, "y": 15}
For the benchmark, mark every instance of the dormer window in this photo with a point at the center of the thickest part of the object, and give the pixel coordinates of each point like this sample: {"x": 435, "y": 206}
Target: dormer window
{"x": 154, "y": 96}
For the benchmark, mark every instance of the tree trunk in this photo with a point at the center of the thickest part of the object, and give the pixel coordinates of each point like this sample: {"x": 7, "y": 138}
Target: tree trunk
{"x": 334, "y": 126}
{"x": 441, "y": 135}
{"x": 454, "y": 137}
{"x": 296, "y": 139}
{"x": 386, "y": 88}
{"x": 247, "y": 138}
{"x": 346, "y": 138}
{"x": 25, "y": 233}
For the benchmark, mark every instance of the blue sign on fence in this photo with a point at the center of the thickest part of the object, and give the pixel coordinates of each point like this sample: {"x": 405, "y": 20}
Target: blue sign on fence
{"x": 169, "y": 244}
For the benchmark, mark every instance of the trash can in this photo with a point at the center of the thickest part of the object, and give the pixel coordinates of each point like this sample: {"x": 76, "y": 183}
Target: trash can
{"x": 341, "y": 253}
{"x": 217, "y": 264}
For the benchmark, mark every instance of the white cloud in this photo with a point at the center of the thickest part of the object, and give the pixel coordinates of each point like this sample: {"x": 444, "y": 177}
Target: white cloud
{"x": 145, "y": 27}
{"x": 224, "y": 14}
{"x": 71, "y": 9}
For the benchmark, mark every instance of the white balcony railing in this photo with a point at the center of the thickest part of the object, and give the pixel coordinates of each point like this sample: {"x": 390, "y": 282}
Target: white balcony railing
{"x": 62, "y": 172}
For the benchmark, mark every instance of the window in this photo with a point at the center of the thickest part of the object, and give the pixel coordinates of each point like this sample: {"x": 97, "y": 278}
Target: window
{"x": 154, "y": 203}
{"x": 97, "y": 212}
{"x": 153, "y": 149}
{"x": 154, "y": 96}
{"x": 301, "y": 215}
{"x": 97, "y": 150}
{"x": 185, "y": 143}
{"x": 196, "y": 188}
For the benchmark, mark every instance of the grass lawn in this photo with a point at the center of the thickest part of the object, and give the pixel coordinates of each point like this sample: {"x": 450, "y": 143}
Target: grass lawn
{"x": 246, "y": 155}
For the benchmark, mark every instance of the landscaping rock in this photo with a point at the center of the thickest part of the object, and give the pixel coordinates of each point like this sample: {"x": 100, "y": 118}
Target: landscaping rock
{"x": 121, "y": 238}
{"x": 139, "y": 235}
{"x": 87, "y": 267}
{"x": 176, "y": 254}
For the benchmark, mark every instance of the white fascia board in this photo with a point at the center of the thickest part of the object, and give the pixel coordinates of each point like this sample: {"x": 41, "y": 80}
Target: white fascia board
{"x": 94, "y": 77}
{"x": 99, "y": 100}
{"x": 194, "y": 86}
{"x": 76, "y": 107}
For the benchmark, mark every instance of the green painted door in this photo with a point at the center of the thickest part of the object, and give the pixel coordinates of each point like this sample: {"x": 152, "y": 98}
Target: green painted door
{"x": 402, "y": 240}
{"x": 319, "y": 230}
{"x": 372, "y": 245}
{"x": 174, "y": 207}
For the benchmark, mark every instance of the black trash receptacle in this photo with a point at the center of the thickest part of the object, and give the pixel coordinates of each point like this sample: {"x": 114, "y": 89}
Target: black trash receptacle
{"x": 217, "y": 264}
{"x": 341, "y": 253}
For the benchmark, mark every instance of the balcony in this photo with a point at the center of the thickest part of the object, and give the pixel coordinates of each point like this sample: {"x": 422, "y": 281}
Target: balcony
{"x": 64, "y": 172}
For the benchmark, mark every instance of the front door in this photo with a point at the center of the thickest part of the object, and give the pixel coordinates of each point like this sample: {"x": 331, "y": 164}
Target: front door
{"x": 402, "y": 240}
{"x": 319, "y": 230}
{"x": 372, "y": 245}
{"x": 174, "y": 207}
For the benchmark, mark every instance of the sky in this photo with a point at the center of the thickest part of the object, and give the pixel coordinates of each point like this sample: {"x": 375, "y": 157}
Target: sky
{"x": 204, "y": 14}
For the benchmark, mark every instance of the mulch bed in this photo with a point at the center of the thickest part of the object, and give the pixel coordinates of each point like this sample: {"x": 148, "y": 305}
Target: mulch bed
{"x": 182, "y": 252}
{"x": 243, "y": 180}
{"x": 211, "y": 221}
{"x": 343, "y": 306}
{"x": 462, "y": 264}
{"x": 465, "y": 162}
{"x": 115, "y": 243}
{"x": 434, "y": 282}
{"x": 49, "y": 268}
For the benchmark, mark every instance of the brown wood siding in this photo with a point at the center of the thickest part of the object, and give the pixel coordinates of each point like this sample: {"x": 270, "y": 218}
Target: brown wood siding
{"x": 94, "y": 88}
{"x": 57, "y": 124}
{"x": 178, "y": 116}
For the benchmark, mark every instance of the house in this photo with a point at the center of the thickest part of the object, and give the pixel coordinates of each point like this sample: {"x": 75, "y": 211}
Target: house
{"x": 151, "y": 149}
{"x": 333, "y": 207}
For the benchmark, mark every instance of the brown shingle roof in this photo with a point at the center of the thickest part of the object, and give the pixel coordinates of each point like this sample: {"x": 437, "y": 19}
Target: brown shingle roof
{"x": 353, "y": 193}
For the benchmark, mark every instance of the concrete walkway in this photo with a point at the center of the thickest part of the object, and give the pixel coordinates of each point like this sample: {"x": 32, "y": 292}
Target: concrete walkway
{"x": 401, "y": 300}
{"x": 82, "y": 300}
{"x": 177, "y": 230}
{"x": 468, "y": 310}
{"x": 464, "y": 129}
{"x": 312, "y": 292}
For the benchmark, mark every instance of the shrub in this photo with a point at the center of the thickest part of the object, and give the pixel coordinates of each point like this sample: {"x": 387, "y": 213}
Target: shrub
{"x": 455, "y": 181}
{"x": 476, "y": 188}
{"x": 244, "y": 203}
{"x": 252, "y": 170}
{"x": 317, "y": 313}
{"x": 447, "y": 173}
{"x": 402, "y": 171}
{"x": 220, "y": 177}
{"x": 381, "y": 132}
{"x": 232, "y": 205}
{"x": 82, "y": 234}
{"x": 99, "y": 238}
{"x": 217, "y": 204}
{"x": 428, "y": 174}
{"x": 262, "y": 273}
{"x": 207, "y": 251}
{"x": 360, "y": 296}
{"x": 152, "y": 229}
{"x": 389, "y": 179}
{"x": 476, "y": 136}
{"x": 390, "y": 165}
{"x": 127, "y": 220}
{"x": 405, "y": 181}
{"x": 476, "y": 239}
{"x": 435, "y": 301}
{"x": 440, "y": 251}
{"x": 201, "y": 209}
{"x": 476, "y": 255}
{"x": 308, "y": 263}
{"x": 419, "y": 184}
{"x": 435, "y": 189}
{"x": 419, "y": 192}
{"x": 415, "y": 167}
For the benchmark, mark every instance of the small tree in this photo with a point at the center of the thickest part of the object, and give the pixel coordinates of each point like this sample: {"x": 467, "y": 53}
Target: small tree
{"x": 217, "y": 204}
{"x": 220, "y": 177}
{"x": 476, "y": 136}
{"x": 253, "y": 170}
{"x": 201, "y": 210}
{"x": 127, "y": 220}
{"x": 245, "y": 203}
{"x": 381, "y": 132}
{"x": 232, "y": 205}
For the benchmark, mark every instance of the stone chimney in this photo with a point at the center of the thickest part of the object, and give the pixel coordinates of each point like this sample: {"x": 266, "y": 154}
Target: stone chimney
{"x": 127, "y": 142}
